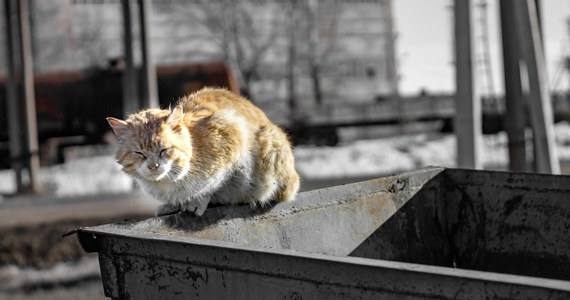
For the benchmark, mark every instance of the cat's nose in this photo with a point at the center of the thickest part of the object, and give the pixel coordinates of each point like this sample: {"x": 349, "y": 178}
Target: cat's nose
{"x": 153, "y": 166}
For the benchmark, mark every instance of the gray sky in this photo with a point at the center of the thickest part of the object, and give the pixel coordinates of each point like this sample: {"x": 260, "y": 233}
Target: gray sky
{"x": 424, "y": 43}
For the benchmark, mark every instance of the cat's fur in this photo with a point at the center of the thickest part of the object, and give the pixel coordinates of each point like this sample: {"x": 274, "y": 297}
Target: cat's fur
{"x": 214, "y": 146}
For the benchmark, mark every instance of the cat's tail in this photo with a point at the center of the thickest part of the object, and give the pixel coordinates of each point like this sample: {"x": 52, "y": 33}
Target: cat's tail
{"x": 282, "y": 180}
{"x": 289, "y": 178}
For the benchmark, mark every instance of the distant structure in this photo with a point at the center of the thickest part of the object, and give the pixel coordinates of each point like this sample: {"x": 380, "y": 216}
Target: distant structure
{"x": 286, "y": 54}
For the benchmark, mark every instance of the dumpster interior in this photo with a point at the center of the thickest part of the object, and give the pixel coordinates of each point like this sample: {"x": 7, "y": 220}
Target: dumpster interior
{"x": 489, "y": 221}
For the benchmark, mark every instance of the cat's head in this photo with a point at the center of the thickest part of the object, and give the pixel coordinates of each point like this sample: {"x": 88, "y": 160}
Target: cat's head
{"x": 154, "y": 144}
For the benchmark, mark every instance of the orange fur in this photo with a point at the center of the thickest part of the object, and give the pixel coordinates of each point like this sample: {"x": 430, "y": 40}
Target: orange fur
{"x": 214, "y": 146}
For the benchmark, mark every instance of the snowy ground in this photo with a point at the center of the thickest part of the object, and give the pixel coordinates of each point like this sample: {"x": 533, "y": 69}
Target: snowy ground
{"x": 65, "y": 281}
{"x": 360, "y": 158}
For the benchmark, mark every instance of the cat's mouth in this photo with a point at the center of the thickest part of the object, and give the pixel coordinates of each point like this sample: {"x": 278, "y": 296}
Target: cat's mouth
{"x": 156, "y": 175}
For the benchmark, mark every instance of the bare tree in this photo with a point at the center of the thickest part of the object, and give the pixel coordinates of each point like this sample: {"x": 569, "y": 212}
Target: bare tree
{"x": 48, "y": 47}
{"x": 319, "y": 22}
{"x": 312, "y": 40}
{"x": 89, "y": 38}
{"x": 67, "y": 36}
{"x": 298, "y": 37}
{"x": 292, "y": 56}
{"x": 234, "y": 27}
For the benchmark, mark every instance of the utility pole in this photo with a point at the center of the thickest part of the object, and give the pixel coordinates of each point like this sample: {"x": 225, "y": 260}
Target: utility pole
{"x": 33, "y": 156}
{"x": 149, "y": 92}
{"x": 292, "y": 59}
{"x": 130, "y": 101}
{"x": 468, "y": 106}
{"x": 515, "y": 115}
{"x": 538, "y": 98}
{"x": 145, "y": 95}
{"x": 390, "y": 48}
{"x": 390, "y": 60}
{"x": 13, "y": 113}
{"x": 487, "y": 80}
{"x": 567, "y": 59}
{"x": 18, "y": 37}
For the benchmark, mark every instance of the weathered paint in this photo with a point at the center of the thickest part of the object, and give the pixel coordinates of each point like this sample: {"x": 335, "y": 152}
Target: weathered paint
{"x": 395, "y": 238}
{"x": 490, "y": 221}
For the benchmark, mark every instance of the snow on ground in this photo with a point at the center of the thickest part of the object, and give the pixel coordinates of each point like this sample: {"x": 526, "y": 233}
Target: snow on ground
{"x": 382, "y": 156}
{"x": 13, "y": 278}
{"x": 96, "y": 174}
{"x": 100, "y": 174}
{"x": 562, "y": 134}
{"x": 357, "y": 159}
{"x": 389, "y": 155}
{"x": 360, "y": 158}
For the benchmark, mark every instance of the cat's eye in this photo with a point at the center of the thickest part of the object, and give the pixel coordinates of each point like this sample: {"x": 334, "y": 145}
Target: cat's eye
{"x": 162, "y": 151}
{"x": 140, "y": 154}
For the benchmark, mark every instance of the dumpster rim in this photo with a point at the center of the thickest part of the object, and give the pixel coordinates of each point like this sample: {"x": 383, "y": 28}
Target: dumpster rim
{"x": 93, "y": 234}
{"x": 90, "y": 238}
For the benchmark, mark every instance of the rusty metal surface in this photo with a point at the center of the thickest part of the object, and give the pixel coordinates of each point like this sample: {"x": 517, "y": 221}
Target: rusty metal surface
{"x": 330, "y": 221}
{"x": 332, "y": 244}
{"x": 490, "y": 221}
{"x": 512, "y": 223}
{"x": 146, "y": 267}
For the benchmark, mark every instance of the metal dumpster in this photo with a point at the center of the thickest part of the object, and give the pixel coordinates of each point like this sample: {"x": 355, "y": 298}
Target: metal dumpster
{"x": 433, "y": 233}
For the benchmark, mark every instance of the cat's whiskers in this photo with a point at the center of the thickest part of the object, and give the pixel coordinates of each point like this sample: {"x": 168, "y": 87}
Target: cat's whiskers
{"x": 177, "y": 172}
{"x": 164, "y": 174}
{"x": 182, "y": 171}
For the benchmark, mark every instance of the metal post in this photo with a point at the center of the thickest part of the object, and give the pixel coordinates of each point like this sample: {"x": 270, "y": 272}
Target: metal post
{"x": 515, "y": 117}
{"x": 468, "y": 106}
{"x": 149, "y": 93}
{"x": 489, "y": 89}
{"x": 540, "y": 105}
{"x": 567, "y": 58}
{"x": 14, "y": 122}
{"x": 130, "y": 101}
{"x": 392, "y": 72}
{"x": 29, "y": 96}
{"x": 292, "y": 60}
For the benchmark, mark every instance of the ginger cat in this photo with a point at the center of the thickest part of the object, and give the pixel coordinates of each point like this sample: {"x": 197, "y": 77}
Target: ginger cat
{"x": 214, "y": 146}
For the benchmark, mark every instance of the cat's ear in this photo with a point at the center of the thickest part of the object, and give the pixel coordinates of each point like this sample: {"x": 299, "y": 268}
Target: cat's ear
{"x": 175, "y": 119}
{"x": 119, "y": 126}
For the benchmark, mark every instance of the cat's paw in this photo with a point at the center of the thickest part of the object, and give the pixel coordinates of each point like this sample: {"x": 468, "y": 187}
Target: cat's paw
{"x": 196, "y": 206}
{"x": 167, "y": 209}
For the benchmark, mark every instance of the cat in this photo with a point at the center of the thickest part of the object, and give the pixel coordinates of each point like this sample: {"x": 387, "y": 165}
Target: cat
{"x": 213, "y": 147}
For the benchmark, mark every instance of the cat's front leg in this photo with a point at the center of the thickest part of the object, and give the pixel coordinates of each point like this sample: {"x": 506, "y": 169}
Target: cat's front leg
{"x": 196, "y": 205}
{"x": 167, "y": 208}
